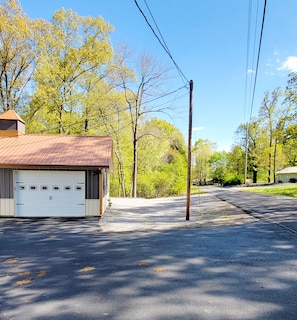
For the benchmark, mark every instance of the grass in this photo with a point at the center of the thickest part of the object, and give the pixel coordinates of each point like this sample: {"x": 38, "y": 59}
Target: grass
{"x": 195, "y": 190}
{"x": 288, "y": 191}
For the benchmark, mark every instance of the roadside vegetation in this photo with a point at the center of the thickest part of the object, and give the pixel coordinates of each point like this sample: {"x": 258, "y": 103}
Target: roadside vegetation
{"x": 288, "y": 191}
{"x": 64, "y": 76}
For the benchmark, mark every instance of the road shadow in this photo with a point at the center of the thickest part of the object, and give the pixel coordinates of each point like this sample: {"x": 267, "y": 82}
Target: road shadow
{"x": 70, "y": 269}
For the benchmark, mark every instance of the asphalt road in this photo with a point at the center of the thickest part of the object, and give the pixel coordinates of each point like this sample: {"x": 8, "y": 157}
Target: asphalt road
{"x": 72, "y": 269}
{"x": 277, "y": 209}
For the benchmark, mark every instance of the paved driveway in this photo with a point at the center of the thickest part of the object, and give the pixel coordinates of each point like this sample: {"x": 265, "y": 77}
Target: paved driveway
{"x": 73, "y": 269}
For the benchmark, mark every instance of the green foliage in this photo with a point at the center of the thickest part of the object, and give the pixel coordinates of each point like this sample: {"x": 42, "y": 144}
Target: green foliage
{"x": 162, "y": 165}
{"x": 218, "y": 164}
{"x": 233, "y": 180}
{"x": 201, "y": 154}
{"x": 19, "y": 36}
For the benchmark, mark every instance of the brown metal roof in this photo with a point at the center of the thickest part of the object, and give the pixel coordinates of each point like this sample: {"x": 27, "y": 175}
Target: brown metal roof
{"x": 55, "y": 150}
{"x": 11, "y": 115}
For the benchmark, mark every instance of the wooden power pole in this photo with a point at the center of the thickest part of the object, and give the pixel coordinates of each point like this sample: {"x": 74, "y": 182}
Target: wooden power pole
{"x": 189, "y": 151}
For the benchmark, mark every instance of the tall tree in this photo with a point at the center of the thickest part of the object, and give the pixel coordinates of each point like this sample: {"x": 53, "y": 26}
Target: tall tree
{"x": 256, "y": 146}
{"x": 202, "y": 151}
{"x": 290, "y": 144}
{"x": 274, "y": 118}
{"x": 75, "y": 54}
{"x": 236, "y": 159}
{"x": 139, "y": 90}
{"x": 18, "y": 40}
{"x": 162, "y": 160}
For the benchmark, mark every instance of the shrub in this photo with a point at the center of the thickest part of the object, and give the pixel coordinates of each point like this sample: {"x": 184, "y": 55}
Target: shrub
{"x": 232, "y": 181}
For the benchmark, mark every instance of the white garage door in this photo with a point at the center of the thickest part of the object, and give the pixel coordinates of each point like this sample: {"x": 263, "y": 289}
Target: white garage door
{"x": 49, "y": 193}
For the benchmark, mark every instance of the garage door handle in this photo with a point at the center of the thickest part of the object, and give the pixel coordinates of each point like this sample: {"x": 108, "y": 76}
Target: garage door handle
{"x": 50, "y": 197}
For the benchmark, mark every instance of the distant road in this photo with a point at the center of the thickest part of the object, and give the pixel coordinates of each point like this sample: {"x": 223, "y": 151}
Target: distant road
{"x": 276, "y": 209}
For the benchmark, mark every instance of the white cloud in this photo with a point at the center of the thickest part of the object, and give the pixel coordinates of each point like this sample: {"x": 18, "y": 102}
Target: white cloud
{"x": 289, "y": 64}
{"x": 198, "y": 129}
{"x": 269, "y": 73}
{"x": 250, "y": 71}
{"x": 276, "y": 53}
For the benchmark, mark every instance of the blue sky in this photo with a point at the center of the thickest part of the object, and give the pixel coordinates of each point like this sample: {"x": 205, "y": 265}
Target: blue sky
{"x": 208, "y": 40}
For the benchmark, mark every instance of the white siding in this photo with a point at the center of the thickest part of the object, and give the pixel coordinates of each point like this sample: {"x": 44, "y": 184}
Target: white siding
{"x": 6, "y": 207}
{"x": 285, "y": 177}
{"x": 92, "y": 207}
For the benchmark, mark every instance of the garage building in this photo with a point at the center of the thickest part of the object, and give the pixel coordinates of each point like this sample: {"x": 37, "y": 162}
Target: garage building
{"x": 288, "y": 174}
{"x": 52, "y": 175}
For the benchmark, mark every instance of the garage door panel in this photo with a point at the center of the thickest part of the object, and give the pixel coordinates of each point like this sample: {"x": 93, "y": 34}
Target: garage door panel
{"x": 50, "y": 193}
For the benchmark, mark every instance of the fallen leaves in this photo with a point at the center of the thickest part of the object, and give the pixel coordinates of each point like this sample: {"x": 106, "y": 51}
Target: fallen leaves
{"x": 159, "y": 269}
{"x": 143, "y": 264}
{"x": 87, "y": 269}
{"x": 11, "y": 260}
{"x": 16, "y": 264}
{"x": 41, "y": 273}
{"x": 24, "y": 273}
{"x": 23, "y": 282}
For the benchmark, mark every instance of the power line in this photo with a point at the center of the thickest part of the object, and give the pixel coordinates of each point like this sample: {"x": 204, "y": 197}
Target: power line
{"x": 247, "y": 57}
{"x": 258, "y": 59}
{"x": 163, "y": 44}
{"x": 254, "y": 90}
{"x": 164, "y": 95}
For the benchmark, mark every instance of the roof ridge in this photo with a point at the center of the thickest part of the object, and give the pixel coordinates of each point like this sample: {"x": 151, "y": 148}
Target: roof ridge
{"x": 62, "y": 135}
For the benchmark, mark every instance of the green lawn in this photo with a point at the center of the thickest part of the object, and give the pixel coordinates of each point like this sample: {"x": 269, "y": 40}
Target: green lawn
{"x": 196, "y": 190}
{"x": 288, "y": 191}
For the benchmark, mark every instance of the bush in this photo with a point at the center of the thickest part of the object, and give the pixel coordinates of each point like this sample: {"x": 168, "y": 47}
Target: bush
{"x": 145, "y": 188}
{"x": 232, "y": 181}
{"x": 293, "y": 180}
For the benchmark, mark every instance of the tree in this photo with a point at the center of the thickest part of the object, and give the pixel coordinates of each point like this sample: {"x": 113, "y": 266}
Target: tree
{"x": 290, "y": 131}
{"x": 162, "y": 160}
{"x": 202, "y": 151}
{"x": 19, "y": 37}
{"x": 235, "y": 163}
{"x": 218, "y": 165}
{"x": 73, "y": 58}
{"x": 291, "y": 91}
{"x": 114, "y": 119}
{"x": 256, "y": 146}
{"x": 145, "y": 86}
{"x": 274, "y": 118}
{"x": 290, "y": 144}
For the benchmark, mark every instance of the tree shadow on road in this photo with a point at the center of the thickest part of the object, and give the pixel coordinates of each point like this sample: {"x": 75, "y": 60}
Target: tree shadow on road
{"x": 70, "y": 269}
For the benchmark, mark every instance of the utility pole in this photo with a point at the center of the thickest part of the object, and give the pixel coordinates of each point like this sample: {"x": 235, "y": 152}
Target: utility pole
{"x": 189, "y": 151}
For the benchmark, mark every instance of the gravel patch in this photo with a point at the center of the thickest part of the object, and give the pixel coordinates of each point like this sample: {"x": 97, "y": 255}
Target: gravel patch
{"x": 138, "y": 214}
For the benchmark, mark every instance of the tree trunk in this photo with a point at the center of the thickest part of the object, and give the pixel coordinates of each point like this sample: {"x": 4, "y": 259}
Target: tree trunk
{"x": 269, "y": 167}
{"x": 255, "y": 173}
{"x": 274, "y": 159}
{"x": 60, "y": 119}
{"x": 122, "y": 189}
{"x": 134, "y": 169}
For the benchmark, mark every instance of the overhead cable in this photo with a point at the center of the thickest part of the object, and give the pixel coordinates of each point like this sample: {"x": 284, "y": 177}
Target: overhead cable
{"x": 258, "y": 58}
{"x": 163, "y": 43}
